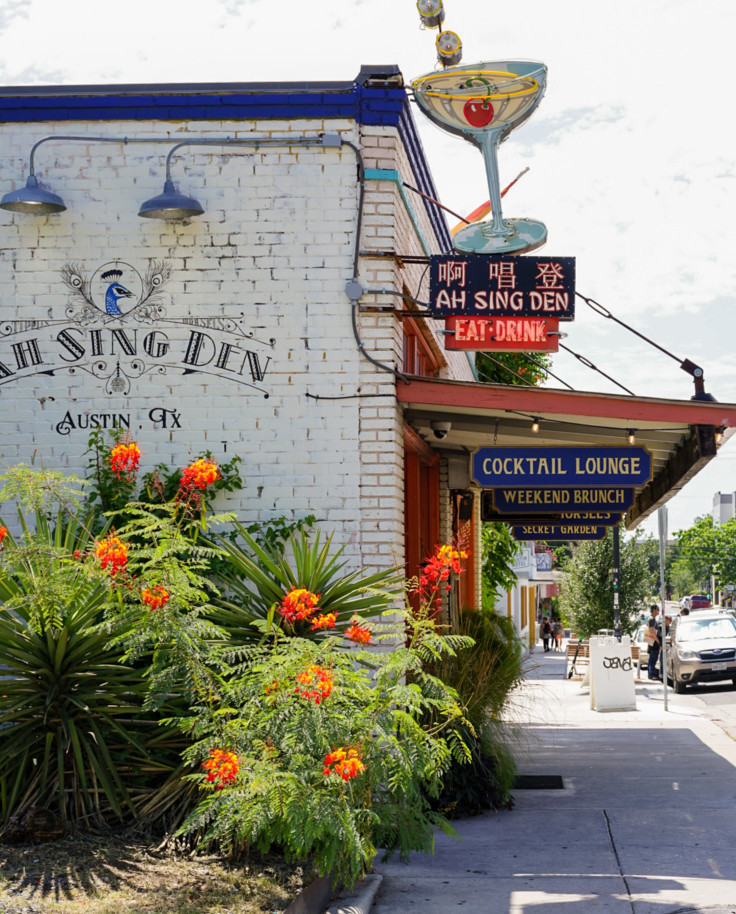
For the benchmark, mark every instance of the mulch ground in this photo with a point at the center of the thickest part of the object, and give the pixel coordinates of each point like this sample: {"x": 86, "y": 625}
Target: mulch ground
{"x": 93, "y": 874}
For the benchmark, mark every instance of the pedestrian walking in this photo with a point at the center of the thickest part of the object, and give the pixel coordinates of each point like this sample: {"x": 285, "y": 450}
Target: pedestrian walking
{"x": 546, "y": 633}
{"x": 652, "y": 637}
{"x": 559, "y": 631}
{"x": 664, "y": 631}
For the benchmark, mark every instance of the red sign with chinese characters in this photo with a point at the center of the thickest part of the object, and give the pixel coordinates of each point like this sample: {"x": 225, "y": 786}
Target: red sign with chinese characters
{"x": 503, "y": 334}
{"x": 484, "y": 285}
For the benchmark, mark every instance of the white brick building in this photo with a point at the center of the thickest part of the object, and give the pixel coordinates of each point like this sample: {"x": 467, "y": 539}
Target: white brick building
{"x": 241, "y": 330}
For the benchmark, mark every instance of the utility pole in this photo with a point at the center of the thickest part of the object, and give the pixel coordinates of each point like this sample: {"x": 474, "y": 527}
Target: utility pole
{"x": 662, "y": 523}
{"x": 616, "y": 603}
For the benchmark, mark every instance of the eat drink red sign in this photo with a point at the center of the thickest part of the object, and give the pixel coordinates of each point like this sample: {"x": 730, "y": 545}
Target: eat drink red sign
{"x": 502, "y": 334}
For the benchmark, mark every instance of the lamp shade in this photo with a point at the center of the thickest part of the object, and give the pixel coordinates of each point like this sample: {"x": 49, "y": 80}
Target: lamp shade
{"x": 32, "y": 199}
{"x": 170, "y": 205}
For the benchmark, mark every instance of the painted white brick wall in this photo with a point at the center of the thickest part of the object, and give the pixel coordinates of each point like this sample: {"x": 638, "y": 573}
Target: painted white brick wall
{"x": 321, "y": 432}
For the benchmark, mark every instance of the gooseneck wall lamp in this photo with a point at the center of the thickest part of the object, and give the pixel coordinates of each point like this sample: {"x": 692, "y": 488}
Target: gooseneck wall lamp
{"x": 170, "y": 204}
{"x": 32, "y": 199}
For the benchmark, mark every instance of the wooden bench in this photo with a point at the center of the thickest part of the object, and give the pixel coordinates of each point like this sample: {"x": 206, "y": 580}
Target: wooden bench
{"x": 583, "y": 657}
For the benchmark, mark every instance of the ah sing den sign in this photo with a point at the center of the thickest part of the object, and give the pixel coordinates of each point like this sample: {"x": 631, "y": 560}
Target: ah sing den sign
{"x": 501, "y": 286}
{"x": 503, "y": 334}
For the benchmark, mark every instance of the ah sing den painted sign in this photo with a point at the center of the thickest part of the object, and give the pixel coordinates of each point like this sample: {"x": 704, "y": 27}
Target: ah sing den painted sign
{"x": 491, "y": 285}
{"x": 512, "y": 467}
{"x": 558, "y": 532}
{"x": 503, "y": 334}
{"x": 550, "y": 501}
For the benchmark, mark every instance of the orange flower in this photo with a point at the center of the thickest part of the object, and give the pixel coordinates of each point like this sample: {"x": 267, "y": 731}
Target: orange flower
{"x": 199, "y": 475}
{"x": 156, "y": 598}
{"x": 298, "y": 604}
{"x": 437, "y": 569}
{"x": 3, "y": 534}
{"x": 345, "y": 762}
{"x": 324, "y": 621}
{"x": 222, "y": 768}
{"x": 358, "y": 633}
{"x": 318, "y": 683}
{"x": 112, "y": 552}
{"x": 124, "y": 459}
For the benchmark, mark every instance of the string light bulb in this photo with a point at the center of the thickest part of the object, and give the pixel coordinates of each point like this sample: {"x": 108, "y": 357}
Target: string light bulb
{"x": 535, "y": 425}
{"x": 449, "y": 48}
{"x": 631, "y": 436}
{"x": 719, "y": 435}
{"x": 431, "y": 12}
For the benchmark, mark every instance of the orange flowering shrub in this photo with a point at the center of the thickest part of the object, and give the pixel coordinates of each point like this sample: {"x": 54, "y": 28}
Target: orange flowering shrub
{"x": 113, "y": 554}
{"x": 445, "y": 560}
{"x": 222, "y": 768}
{"x": 124, "y": 459}
{"x": 324, "y": 621}
{"x": 298, "y": 604}
{"x": 157, "y": 597}
{"x": 358, "y": 633}
{"x": 199, "y": 475}
{"x": 315, "y": 684}
{"x": 3, "y": 534}
{"x": 194, "y": 480}
{"x": 344, "y": 762}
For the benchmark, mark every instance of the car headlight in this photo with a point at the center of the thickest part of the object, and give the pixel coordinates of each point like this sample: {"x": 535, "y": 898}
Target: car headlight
{"x": 686, "y": 655}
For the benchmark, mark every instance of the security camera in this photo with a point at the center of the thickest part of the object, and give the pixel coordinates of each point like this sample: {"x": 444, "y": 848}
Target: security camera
{"x": 440, "y": 429}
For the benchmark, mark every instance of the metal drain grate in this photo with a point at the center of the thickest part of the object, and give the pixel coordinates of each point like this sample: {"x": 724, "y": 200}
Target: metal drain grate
{"x": 538, "y": 782}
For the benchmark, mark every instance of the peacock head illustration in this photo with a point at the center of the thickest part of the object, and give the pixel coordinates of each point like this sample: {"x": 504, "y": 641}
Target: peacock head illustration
{"x": 114, "y": 292}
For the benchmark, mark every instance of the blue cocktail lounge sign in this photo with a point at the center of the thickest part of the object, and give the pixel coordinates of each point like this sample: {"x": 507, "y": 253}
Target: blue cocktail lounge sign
{"x": 514, "y": 467}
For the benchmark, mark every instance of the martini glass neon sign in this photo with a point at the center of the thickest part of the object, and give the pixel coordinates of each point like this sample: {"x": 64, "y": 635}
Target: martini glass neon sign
{"x": 483, "y": 103}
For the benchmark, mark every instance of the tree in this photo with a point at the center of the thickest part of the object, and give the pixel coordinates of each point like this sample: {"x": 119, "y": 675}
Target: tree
{"x": 707, "y": 548}
{"x": 586, "y": 592}
{"x": 502, "y": 368}
{"x": 499, "y": 550}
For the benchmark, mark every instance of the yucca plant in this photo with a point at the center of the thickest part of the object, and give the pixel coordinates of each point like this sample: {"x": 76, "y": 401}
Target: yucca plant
{"x": 258, "y": 576}
{"x": 74, "y": 737}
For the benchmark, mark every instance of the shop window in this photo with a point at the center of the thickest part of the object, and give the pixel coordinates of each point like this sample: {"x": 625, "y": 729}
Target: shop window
{"x": 419, "y": 359}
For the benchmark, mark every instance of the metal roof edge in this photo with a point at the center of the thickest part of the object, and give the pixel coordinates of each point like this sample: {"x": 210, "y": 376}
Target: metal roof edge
{"x": 368, "y": 74}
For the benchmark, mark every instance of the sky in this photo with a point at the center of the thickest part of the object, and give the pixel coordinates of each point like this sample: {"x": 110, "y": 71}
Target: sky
{"x": 629, "y": 153}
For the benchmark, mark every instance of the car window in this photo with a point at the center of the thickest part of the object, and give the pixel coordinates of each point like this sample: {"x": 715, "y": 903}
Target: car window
{"x": 703, "y": 629}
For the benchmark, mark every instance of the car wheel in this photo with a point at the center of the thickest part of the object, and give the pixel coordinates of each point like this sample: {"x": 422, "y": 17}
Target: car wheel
{"x": 679, "y": 686}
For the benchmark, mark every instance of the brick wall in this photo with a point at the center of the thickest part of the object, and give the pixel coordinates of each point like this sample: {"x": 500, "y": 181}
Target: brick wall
{"x": 247, "y": 345}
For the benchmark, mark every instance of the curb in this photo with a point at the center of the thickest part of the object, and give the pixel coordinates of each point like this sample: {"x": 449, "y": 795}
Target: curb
{"x": 359, "y": 901}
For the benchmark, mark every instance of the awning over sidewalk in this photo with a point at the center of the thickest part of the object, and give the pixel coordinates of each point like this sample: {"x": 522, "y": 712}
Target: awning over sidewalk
{"x": 682, "y": 435}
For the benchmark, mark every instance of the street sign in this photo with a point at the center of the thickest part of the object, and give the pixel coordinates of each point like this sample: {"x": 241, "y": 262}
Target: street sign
{"x": 558, "y": 532}
{"x": 550, "y": 501}
{"x": 512, "y": 467}
{"x": 498, "y": 285}
{"x": 503, "y": 334}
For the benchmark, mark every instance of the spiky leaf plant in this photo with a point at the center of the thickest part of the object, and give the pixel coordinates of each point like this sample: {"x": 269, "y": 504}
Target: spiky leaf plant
{"x": 73, "y": 734}
{"x": 258, "y": 575}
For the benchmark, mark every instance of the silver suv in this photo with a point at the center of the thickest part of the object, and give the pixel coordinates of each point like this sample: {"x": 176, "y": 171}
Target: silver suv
{"x": 701, "y": 647}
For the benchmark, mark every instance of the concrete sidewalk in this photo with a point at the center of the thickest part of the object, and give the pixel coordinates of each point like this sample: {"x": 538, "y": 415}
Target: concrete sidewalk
{"x": 646, "y": 821}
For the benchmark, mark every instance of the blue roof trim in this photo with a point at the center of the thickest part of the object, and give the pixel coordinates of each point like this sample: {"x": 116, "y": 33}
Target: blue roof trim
{"x": 365, "y": 104}
{"x": 415, "y": 151}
